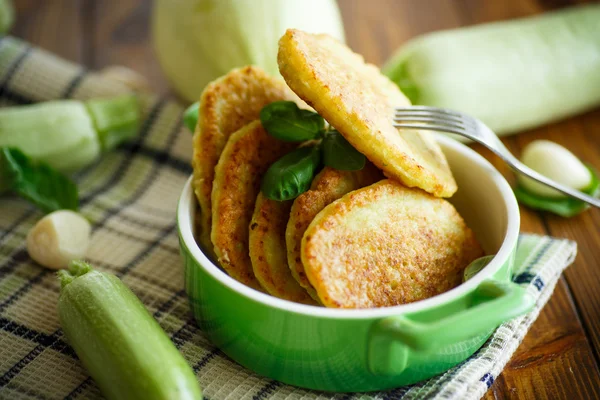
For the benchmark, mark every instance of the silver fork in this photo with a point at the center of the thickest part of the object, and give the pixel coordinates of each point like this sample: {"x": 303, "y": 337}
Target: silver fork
{"x": 444, "y": 120}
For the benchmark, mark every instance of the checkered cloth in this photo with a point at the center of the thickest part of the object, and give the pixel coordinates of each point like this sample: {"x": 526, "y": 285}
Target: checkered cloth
{"x": 130, "y": 197}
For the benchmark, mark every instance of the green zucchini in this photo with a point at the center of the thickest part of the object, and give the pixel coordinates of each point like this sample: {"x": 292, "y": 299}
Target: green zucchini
{"x": 118, "y": 341}
{"x": 68, "y": 134}
{"x": 513, "y": 75}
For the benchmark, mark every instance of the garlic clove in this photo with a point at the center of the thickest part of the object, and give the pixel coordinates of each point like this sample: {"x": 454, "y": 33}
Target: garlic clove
{"x": 555, "y": 162}
{"x": 59, "y": 238}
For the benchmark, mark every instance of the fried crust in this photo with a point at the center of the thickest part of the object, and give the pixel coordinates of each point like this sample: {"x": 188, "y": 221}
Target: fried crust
{"x": 356, "y": 99}
{"x": 385, "y": 245}
{"x": 329, "y": 185}
{"x": 247, "y": 155}
{"x": 226, "y": 105}
{"x": 268, "y": 250}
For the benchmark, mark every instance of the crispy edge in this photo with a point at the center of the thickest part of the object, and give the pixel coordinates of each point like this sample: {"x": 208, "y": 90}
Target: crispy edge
{"x": 329, "y": 185}
{"x": 247, "y": 155}
{"x": 249, "y": 87}
{"x": 268, "y": 250}
{"x": 316, "y": 268}
{"x": 303, "y": 78}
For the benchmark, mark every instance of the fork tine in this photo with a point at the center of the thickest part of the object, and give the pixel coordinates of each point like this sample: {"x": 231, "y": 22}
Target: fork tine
{"x": 408, "y": 114}
{"x": 432, "y": 120}
{"x": 433, "y": 110}
{"x": 437, "y": 112}
{"x": 438, "y": 128}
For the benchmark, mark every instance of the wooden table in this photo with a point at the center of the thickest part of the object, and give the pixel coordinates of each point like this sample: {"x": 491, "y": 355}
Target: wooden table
{"x": 559, "y": 357}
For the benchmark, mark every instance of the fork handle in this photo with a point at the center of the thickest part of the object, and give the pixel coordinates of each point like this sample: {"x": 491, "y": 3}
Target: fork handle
{"x": 518, "y": 166}
{"x": 525, "y": 170}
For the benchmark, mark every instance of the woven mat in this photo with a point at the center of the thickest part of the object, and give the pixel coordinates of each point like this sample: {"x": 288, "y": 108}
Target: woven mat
{"x": 130, "y": 196}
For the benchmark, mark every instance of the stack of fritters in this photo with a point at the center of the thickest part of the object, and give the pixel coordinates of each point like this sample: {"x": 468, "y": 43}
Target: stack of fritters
{"x": 355, "y": 239}
{"x": 227, "y": 105}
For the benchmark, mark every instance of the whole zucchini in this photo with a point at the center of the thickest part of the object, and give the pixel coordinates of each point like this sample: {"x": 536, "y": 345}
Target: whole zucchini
{"x": 69, "y": 134}
{"x": 121, "y": 345}
{"x": 513, "y": 75}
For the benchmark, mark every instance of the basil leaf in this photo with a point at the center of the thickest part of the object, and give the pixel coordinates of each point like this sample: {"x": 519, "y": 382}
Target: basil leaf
{"x": 285, "y": 121}
{"x": 190, "y": 116}
{"x": 565, "y": 207}
{"x": 338, "y": 153}
{"x": 42, "y": 185}
{"x": 292, "y": 174}
{"x": 6, "y": 176}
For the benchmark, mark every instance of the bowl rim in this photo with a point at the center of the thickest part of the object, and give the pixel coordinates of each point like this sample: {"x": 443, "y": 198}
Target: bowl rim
{"x": 184, "y": 223}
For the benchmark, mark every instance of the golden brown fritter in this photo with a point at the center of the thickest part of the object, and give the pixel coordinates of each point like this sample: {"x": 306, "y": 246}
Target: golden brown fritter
{"x": 385, "y": 245}
{"x": 357, "y": 100}
{"x": 329, "y": 185}
{"x": 226, "y": 105}
{"x": 247, "y": 155}
{"x": 267, "y": 250}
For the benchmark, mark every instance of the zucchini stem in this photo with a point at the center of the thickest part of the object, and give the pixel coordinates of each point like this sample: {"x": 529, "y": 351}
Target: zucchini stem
{"x": 115, "y": 119}
{"x": 76, "y": 269}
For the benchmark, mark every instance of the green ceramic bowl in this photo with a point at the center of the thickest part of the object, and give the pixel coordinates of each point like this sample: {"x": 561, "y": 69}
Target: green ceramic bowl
{"x": 367, "y": 349}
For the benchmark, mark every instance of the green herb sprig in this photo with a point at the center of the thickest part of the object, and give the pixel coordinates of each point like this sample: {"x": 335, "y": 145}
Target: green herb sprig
{"x": 39, "y": 183}
{"x": 284, "y": 120}
{"x": 338, "y": 153}
{"x": 292, "y": 174}
{"x": 190, "y": 116}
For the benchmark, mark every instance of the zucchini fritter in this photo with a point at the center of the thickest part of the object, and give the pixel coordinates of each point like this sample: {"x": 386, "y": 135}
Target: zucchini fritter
{"x": 267, "y": 250}
{"x": 328, "y": 186}
{"x": 357, "y": 100}
{"x": 385, "y": 245}
{"x": 226, "y": 105}
{"x": 247, "y": 155}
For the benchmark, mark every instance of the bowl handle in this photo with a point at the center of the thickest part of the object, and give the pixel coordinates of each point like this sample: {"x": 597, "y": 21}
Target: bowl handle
{"x": 491, "y": 303}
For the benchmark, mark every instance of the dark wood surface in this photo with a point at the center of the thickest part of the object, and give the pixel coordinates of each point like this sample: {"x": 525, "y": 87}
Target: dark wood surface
{"x": 559, "y": 357}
